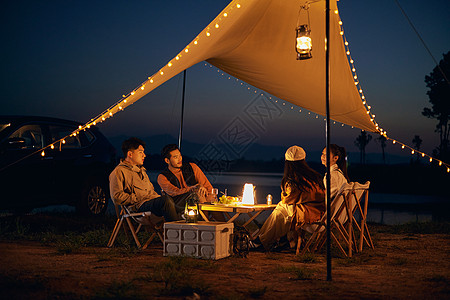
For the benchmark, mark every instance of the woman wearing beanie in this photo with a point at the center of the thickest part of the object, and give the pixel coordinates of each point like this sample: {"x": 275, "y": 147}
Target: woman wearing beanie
{"x": 302, "y": 201}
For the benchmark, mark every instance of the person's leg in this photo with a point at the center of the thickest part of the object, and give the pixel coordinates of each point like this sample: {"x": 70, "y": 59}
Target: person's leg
{"x": 161, "y": 206}
{"x": 276, "y": 226}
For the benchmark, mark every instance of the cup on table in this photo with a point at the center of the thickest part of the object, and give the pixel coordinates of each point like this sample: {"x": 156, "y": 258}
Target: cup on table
{"x": 215, "y": 192}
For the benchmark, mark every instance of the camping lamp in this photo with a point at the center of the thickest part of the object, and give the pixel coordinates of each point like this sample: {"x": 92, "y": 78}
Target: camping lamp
{"x": 248, "y": 197}
{"x": 191, "y": 214}
{"x": 304, "y": 44}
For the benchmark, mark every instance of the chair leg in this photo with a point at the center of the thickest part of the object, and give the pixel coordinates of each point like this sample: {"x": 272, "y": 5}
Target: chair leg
{"x": 116, "y": 230}
{"x": 338, "y": 244}
{"x": 133, "y": 232}
{"x": 149, "y": 241}
{"x": 299, "y": 244}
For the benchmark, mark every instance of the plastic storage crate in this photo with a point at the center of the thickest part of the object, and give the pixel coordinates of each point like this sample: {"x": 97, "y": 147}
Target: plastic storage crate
{"x": 211, "y": 240}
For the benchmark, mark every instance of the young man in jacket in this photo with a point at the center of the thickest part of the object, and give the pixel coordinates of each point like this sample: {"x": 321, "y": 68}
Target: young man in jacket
{"x": 181, "y": 181}
{"x": 130, "y": 186}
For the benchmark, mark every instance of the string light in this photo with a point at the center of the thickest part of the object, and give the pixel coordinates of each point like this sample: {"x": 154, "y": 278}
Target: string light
{"x": 120, "y": 105}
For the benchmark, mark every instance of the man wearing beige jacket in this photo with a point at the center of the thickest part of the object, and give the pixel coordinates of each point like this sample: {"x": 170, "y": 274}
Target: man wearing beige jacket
{"x": 130, "y": 186}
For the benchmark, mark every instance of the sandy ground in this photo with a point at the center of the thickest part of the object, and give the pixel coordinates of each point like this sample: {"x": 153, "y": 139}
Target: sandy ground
{"x": 402, "y": 266}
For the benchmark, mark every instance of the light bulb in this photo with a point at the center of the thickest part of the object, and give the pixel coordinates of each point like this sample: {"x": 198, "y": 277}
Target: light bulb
{"x": 336, "y": 12}
{"x": 110, "y": 113}
{"x": 143, "y": 87}
{"x": 440, "y": 163}
{"x": 42, "y": 153}
{"x": 238, "y": 5}
{"x": 195, "y": 42}
{"x": 162, "y": 73}
{"x": 169, "y": 64}
{"x": 63, "y": 141}
{"x": 403, "y": 146}
{"x": 217, "y": 25}
{"x": 225, "y": 15}
{"x": 177, "y": 57}
{"x": 341, "y": 33}
{"x": 151, "y": 80}
{"x": 186, "y": 50}
{"x": 340, "y": 22}
{"x": 208, "y": 34}
{"x": 423, "y": 154}
{"x": 132, "y": 93}
{"x": 431, "y": 159}
{"x": 351, "y": 61}
{"x": 412, "y": 152}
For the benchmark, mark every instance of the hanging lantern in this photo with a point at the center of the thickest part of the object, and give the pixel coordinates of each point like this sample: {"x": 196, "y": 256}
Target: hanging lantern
{"x": 304, "y": 43}
{"x": 248, "y": 197}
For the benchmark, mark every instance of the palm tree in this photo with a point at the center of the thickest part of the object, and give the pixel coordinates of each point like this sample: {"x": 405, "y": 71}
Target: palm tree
{"x": 361, "y": 142}
{"x": 382, "y": 141}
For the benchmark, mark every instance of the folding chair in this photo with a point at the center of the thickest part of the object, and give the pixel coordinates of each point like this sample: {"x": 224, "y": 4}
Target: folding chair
{"x": 148, "y": 220}
{"x": 359, "y": 194}
{"x": 341, "y": 208}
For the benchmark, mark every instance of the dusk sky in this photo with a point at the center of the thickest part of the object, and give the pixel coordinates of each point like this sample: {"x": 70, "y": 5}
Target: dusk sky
{"x": 73, "y": 59}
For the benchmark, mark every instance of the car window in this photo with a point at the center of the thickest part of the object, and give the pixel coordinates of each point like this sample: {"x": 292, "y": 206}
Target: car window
{"x": 32, "y": 134}
{"x": 86, "y": 138}
{"x": 59, "y": 132}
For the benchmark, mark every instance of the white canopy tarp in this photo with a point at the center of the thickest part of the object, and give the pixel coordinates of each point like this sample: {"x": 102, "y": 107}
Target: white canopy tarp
{"x": 254, "y": 40}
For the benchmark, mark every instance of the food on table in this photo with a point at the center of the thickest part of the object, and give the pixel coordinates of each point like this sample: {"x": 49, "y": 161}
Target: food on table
{"x": 228, "y": 200}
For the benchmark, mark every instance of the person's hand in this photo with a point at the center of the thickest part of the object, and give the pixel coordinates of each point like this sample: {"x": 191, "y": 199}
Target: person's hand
{"x": 194, "y": 188}
{"x": 203, "y": 191}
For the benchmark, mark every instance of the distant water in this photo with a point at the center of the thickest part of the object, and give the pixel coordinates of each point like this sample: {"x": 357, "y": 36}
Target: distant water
{"x": 386, "y": 209}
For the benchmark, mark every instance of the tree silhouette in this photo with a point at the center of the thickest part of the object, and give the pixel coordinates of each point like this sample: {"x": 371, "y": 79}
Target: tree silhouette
{"x": 439, "y": 97}
{"x": 382, "y": 141}
{"x": 361, "y": 142}
{"x": 417, "y": 142}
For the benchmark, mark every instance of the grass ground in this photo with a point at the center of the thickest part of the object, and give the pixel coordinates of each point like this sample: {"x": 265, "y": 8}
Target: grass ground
{"x": 63, "y": 256}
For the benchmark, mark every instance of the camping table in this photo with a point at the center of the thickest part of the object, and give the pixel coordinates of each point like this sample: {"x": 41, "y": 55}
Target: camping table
{"x": 251, "y": 210}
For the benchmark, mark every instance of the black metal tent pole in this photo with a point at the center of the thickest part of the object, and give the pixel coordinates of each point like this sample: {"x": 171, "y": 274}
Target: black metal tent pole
{"x": 327, "y": 132}
{"x": 180, "y": 135}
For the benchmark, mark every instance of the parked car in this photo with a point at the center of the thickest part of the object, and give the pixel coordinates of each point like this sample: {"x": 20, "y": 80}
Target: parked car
{"x": 74, "y": 173}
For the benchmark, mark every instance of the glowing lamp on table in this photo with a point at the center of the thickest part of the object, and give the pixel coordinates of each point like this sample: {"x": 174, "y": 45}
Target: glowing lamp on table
{"x": 248, "y": 197}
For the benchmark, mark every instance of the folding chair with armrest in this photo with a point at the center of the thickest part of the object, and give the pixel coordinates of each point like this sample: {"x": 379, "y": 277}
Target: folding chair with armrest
{"x": 340, "y": 210}
{"x": 147, "y": 219}
{"x": 359, "y": 194}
